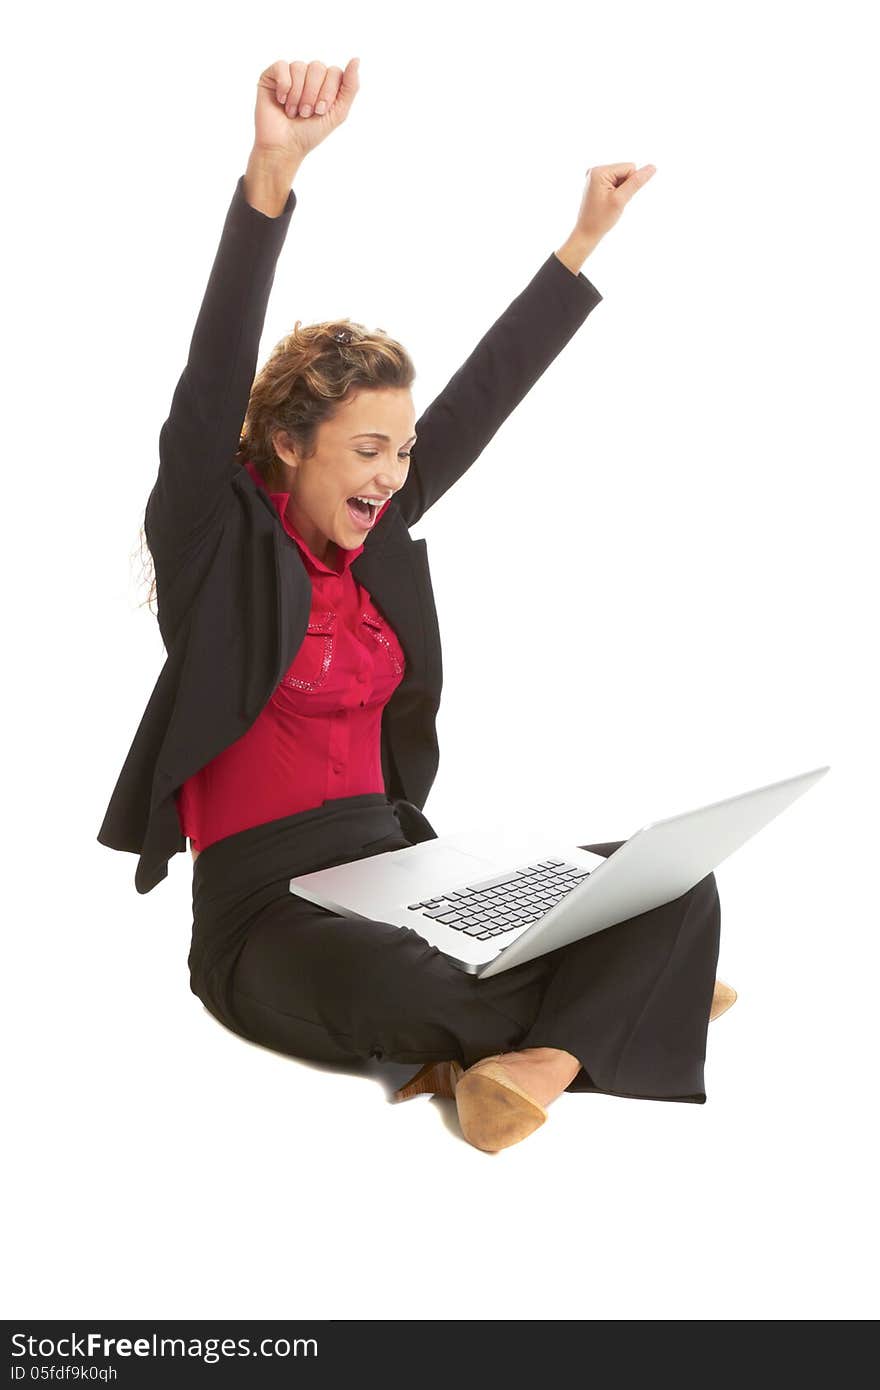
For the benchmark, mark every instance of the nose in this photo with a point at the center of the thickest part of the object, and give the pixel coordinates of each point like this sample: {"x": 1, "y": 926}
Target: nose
{"x": 392, "y": 478}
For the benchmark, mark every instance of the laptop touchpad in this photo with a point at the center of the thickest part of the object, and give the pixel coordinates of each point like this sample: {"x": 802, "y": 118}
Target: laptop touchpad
{"x": 437, "y": 867}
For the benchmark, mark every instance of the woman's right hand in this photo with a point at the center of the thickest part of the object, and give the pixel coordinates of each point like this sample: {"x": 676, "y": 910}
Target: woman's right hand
{"x": 285, "y": 87}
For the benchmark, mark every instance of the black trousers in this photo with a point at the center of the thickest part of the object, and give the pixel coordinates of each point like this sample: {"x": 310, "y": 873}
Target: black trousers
{"x": 631, "y": 1003}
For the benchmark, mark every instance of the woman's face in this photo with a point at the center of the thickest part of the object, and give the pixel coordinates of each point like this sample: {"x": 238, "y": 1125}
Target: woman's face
{"x": 363, "y": 451}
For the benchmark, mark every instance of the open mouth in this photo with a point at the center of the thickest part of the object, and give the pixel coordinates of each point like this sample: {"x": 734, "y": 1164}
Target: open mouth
{"x": 363, "y": 514}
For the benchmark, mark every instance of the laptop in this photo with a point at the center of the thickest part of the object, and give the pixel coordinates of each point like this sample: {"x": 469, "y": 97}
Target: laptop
{"x": 490, "y": 900}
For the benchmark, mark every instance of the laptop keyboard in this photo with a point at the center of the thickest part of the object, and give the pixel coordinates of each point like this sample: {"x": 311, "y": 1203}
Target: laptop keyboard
{"x": 502, "y": 904}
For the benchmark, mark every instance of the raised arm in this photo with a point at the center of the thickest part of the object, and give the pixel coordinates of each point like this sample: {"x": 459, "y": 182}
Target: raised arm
{"x": 198, "y": 441}
{"x": 298, "y": 105}
{"x": 520, "y": 345}
{"x": 456, "y": 427}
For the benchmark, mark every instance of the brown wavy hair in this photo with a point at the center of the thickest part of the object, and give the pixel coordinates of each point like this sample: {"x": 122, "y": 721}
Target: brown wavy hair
{"x": 308, "y": 375}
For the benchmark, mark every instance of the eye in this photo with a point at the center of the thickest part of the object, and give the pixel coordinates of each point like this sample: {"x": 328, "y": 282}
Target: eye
{"x": 371, "y": 454}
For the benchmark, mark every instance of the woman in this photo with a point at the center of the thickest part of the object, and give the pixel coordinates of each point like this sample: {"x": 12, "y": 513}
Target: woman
{"x": 292, "y": 726}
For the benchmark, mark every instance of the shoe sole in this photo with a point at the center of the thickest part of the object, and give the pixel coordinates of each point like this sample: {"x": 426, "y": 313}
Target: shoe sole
{"x": 494, "y": 1114}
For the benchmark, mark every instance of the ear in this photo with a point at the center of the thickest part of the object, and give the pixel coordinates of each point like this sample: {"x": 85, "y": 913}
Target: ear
{"x": 283, "y": 448}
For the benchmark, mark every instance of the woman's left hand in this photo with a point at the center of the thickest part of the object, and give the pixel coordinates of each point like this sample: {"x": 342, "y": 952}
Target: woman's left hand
{"x": 609, "y": 189}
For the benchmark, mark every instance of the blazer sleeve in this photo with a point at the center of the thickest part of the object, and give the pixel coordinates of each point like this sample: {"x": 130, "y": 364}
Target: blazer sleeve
{"x": 199, "y": 440}
{"x": 456, "y": 427}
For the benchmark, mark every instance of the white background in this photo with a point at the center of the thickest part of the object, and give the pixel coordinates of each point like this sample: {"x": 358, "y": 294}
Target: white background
{"x": 656, "y": 588}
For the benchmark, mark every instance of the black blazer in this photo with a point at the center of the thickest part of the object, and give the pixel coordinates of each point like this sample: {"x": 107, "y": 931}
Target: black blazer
{"x": 233, "y": 594}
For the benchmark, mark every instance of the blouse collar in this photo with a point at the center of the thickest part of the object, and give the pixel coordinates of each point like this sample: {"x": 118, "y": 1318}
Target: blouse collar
{"x": 280, "y": 501}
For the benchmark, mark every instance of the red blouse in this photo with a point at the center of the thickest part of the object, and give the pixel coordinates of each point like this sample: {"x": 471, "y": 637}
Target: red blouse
{"x": 319, "y": 735}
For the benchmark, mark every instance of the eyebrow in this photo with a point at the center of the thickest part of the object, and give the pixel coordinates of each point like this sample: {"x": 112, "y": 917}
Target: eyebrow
{"x": 386, "y": 438}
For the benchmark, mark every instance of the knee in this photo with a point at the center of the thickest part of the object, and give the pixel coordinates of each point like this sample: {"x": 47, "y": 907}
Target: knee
{"x": 605, "y": 847}
{"x": 706, "y": 893}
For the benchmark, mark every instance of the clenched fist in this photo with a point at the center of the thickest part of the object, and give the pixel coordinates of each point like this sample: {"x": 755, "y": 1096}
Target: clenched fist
{"x": 608, "y": 190}
{"x": 299, "y": 104}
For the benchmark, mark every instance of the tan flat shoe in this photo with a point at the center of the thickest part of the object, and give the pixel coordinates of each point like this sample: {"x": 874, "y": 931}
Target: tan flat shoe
{"x": 722, "y": 999}
{"x": 492, "y": 1110}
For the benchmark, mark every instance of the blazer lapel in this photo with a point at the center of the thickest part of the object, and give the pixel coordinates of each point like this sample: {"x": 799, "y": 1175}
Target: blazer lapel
{"x": 388, "y": 568}
{"x": 387, "y": 571}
